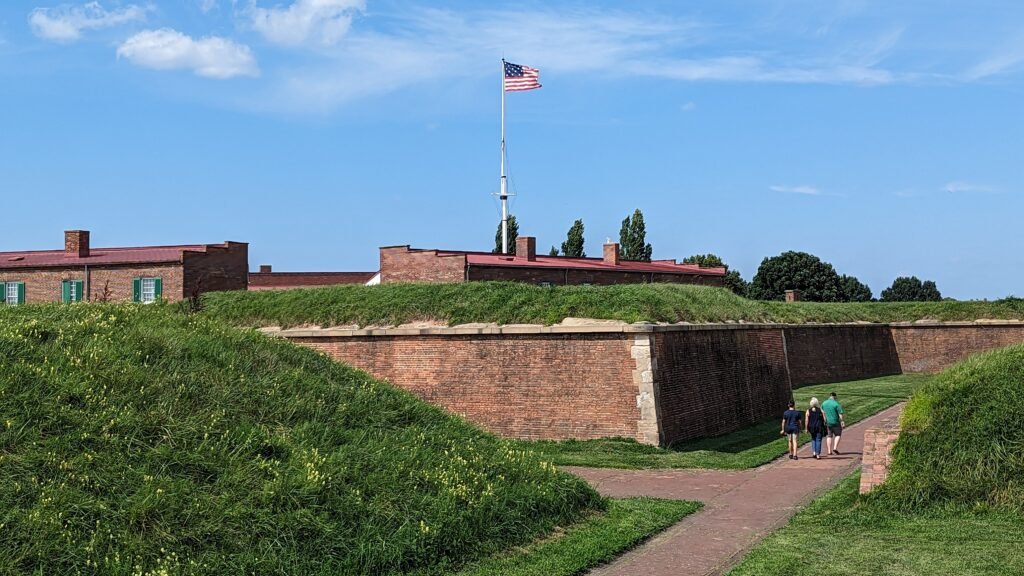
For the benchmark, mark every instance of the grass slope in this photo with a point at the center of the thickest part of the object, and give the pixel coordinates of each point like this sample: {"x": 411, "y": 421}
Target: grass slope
{"x": 508, "y": 303}
{"x": 590, "y": 543}
{"x": 839, "y": 535}
{"x": 746, "y": 448}
{"x": 963, "y": 440}
{"x": 134, "y": 440}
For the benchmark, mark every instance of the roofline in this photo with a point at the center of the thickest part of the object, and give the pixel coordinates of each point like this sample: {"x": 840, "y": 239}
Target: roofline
{"x": 443, "y": 252}
{"x": 610, "y": 268}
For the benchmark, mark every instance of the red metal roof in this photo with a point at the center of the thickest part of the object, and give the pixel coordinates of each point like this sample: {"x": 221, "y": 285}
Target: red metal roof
{"x": 100, "y": 256}
{"x": 657, "y": 266}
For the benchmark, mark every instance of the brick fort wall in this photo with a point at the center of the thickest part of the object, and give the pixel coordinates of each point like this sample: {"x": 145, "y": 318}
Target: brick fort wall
{"x": 931, "y": 348}
{"x": 711, "y": 382}
{"x": 657, "y": 384}
{"x": 524, "y": 386}
{"x": 823, "y": 354}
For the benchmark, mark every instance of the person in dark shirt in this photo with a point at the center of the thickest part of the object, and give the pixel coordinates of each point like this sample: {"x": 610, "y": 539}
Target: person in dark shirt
{"x": 792, "y": 423}
{"x": 814, "y": 424}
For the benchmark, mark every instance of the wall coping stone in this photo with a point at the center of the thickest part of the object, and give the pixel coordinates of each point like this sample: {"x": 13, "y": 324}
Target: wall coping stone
{"x": 637, "y": 328}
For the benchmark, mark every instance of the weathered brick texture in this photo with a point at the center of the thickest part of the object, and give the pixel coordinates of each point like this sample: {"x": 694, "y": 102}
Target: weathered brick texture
{"x": 215, "y": 269}
{"x": 931, "y": 348}
{"x": 529, "y": 386}
{"x": 219, "y": 268}
{"x": 400, "y": 264}
{"x": 44, "y": 284}
{"x": 821, "y": 354}
{"x": 659, "y": 384}
{"x": 878, "y": 443}
{"x": 568, "y": 276}
{"x": 711, "y": 382}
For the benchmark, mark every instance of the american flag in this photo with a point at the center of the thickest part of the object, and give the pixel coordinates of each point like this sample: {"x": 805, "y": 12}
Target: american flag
{"x": 518, "y": 78}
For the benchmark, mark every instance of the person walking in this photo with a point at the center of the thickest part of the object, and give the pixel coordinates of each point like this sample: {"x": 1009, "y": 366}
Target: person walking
{"x": 815, "y": 426}
{"x": 792, "y": 423}
{"x": 834, "y": 420}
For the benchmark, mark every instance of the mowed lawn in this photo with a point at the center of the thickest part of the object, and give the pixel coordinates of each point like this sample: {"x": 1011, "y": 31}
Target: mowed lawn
{"x": 746, "y": 448}
{"x": 839, "y": 535}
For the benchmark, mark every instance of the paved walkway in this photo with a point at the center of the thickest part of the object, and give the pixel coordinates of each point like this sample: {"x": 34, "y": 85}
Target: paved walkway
{"x": 740, "y": 507}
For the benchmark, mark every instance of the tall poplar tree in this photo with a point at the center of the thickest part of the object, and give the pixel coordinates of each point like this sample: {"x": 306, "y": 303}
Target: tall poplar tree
{"x": 573, "y": 245}
{"x": 633, "y": 238}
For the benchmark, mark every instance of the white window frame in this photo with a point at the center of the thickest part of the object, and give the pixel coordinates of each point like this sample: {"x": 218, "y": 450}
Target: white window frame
{"x": 147, "y": 296}
{"x": 11, "y": 293}
{"x": 73, "y": 294}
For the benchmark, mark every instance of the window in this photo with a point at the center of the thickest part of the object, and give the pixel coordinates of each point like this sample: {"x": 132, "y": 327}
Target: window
{"x": 72, "y": 291}
{"x": 13, "y": 293}
{"x": 147, "y": 290}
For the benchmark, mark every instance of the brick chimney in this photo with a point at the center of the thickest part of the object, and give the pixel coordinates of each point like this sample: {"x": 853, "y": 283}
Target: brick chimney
{"x": 76, "y": 243}
{"x": 611, "y": 254}
{"x": 794, "y": 296}
{"x": 526, "y": 248}
{"x": 265, "y": 269}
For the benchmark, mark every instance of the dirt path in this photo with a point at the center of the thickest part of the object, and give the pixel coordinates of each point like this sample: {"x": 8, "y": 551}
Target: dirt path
{"x": 740, "y": 507}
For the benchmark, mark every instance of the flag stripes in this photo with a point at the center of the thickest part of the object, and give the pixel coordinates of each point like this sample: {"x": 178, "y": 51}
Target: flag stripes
{"x": 519, "y": 78}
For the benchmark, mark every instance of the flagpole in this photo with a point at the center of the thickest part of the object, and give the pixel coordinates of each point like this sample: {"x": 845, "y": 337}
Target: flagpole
{"x": 504, "y": 184}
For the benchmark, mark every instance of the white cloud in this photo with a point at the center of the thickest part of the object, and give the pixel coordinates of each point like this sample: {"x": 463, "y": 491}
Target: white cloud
{"x": 1005, "y": 61}
{"x": 959, "y": 186}
{"x": 325, "y": 21}
{"x": 167, "y": 49}
{"x": 689, "y": 106}
{"x": 207, "y": 5}
{"x": 66, "y": 23}
{"x": 803, "y": 189}
{"x": 422, "y": 45}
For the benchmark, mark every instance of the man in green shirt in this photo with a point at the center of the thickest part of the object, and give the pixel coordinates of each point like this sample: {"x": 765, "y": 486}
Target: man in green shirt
{"x": 834, "y": 420}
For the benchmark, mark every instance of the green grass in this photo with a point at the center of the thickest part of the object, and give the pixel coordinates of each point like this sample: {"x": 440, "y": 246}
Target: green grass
{"x": 746, "y": 448}
{"x": 507, "y": 303}
{"x": 592, "y": 542}
{"x": 962, "y": 440}
{"x": 842, "y": 535}
{"x": 135, "y": 440}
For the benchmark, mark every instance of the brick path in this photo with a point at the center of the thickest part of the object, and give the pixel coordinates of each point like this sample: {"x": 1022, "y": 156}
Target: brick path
{"x": 740, "y": 507}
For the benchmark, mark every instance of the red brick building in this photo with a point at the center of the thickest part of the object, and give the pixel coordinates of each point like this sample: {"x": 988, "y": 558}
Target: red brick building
{"x": 267, "y": 279}
{"x": 140, "y": 274}
{"x": 404, "y": 264}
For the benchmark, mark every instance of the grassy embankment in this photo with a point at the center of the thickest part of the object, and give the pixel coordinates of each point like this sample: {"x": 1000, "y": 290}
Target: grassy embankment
{"x": 954, "y": 501}
{"x": 510, "y": 303}
{"x": 134, "y": 440}
{"x": 746, "y": 448}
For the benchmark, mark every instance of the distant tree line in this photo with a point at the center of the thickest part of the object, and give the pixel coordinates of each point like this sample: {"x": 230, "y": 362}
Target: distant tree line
{"x": 817, "y": 280}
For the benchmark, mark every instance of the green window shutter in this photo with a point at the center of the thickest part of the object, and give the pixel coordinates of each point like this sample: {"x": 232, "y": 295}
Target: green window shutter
{"x": 3, "y": 293}
{"x": 158, "y": 288}
{"x": 137, "y": 290}
{"x": 65, "y": 291}
{"x": 80, "y": 291}
{"x": 21, "y": 292}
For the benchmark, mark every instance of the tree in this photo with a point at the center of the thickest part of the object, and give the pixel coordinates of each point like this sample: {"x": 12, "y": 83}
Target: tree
{"x": 553, "y": 251}
{"x": 854, "y": 290}
{"x": 733, "y": 281}
{"x": 633, "y": 238}
{"x": 705, "y": 261}
{"x": 573, "y": 245}
{"x": 815, "y": 279}
{"x": 513, "y": 233}
{"x": 911, "y": 289}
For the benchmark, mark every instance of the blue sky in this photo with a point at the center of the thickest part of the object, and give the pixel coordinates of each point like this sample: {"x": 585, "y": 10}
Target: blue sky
{"x": 884, "y": 137}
